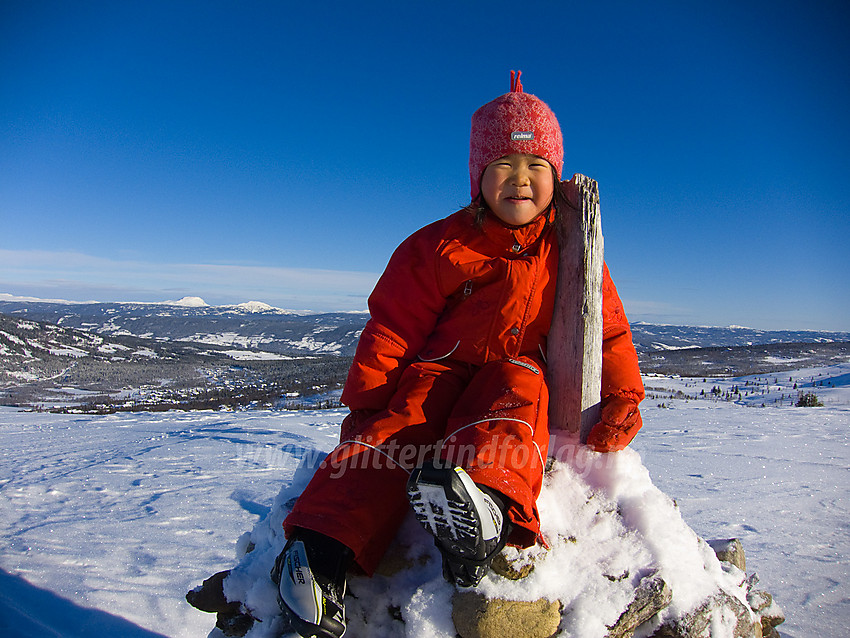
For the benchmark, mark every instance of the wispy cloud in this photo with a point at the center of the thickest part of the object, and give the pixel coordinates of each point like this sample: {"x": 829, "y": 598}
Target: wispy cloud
{"x": 658, "y": 312}
{"x": 80, "y": 277}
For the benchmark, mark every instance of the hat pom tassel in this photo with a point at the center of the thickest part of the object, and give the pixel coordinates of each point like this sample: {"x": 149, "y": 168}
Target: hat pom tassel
{"x": 516, "y": 85}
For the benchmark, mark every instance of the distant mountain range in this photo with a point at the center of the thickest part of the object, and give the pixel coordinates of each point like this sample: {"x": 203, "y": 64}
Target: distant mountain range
{"x": 189, "y": 354}
{"x": 652, "y": 337}
{"x": 258, "y": 326}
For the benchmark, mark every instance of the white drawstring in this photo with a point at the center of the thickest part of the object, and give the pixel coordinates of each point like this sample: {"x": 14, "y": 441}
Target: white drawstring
{"x": 379, "y": 451}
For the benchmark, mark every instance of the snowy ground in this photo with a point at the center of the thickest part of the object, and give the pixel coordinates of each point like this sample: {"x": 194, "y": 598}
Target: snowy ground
{"x": 106, "y": 521}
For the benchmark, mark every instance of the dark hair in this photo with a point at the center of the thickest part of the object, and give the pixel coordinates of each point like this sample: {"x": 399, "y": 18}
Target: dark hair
{"x": 478, "y": 207}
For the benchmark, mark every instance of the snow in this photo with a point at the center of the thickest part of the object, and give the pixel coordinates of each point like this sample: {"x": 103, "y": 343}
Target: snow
{"x": 22, "y": 375}
{"x": 12, "y": 338}
{"x": 257, "y": 306}
{"x": 228, "y": 339}
{"x": 111, "y": 348}
{"x": 256, "y": 355}
{"x": 106, "y": 521}
{"x": 657, "y": 345}
{"x": 68, "y": 351}
{"x": 187, "y": 302}
{"x": 314, "y": 345}
{"x": 773, "y": 359}
{"x": 830, "y": 383}
{"x": 5, "y": 296}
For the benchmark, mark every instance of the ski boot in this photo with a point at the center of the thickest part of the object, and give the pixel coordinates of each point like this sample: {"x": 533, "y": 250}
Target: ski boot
{"x": 467, "y": 522}
{"x": 310, "y": 575}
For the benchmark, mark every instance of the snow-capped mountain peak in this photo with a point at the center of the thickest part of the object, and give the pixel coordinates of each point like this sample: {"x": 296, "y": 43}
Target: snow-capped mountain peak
{"x": 188, "y": 302}
{"x": 256, "y": 306}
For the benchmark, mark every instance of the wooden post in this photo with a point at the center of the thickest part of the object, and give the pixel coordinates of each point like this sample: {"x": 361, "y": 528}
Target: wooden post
{"x": 575, "y": 338}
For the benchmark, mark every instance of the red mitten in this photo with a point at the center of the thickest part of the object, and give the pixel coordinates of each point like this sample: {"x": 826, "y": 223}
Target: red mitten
{"x": 353, "y": 423}
{"x": 620, "y": 422}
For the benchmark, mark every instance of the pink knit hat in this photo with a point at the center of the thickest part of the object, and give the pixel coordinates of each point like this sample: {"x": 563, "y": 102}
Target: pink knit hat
{"x": 515, "y": 122}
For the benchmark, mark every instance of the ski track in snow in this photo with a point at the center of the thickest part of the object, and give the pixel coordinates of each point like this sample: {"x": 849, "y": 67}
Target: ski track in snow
{"x": 108, "y": 520}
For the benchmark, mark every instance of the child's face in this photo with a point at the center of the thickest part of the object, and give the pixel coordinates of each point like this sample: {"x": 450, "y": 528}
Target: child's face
{"x": 517, "y": 188}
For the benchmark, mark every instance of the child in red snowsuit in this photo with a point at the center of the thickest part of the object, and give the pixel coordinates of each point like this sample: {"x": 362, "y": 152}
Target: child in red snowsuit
{"x": 447, "y": 390}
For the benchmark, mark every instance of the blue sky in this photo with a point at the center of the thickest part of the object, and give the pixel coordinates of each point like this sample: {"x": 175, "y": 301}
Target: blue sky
{"x": 279, "y": 151}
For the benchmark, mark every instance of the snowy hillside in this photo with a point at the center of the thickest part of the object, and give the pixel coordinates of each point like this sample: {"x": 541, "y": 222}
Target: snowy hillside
{"x": 56, "y": 367}
{"x": 105, "y": 522}
{"x": 253, "y": 324}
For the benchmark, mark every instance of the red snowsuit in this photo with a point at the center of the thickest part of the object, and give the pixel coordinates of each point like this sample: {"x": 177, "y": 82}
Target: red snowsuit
{"x": 452, "y": 364}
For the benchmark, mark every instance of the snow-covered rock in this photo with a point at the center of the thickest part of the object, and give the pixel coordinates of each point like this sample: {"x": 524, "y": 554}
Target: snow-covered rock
{"x": 609, "y": 531}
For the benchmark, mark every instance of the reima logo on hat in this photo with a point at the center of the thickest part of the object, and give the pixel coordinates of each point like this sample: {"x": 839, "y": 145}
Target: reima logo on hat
{"x": 522, "y": 136}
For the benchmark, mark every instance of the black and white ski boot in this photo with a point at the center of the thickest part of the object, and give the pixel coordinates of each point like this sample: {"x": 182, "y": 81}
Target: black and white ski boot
{"x": 467, "y": 523}
{"x": 310, "y": 574}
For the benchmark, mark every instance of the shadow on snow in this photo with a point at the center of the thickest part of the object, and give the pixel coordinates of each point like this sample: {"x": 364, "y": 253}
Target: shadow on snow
{"x": 27, "y": 611}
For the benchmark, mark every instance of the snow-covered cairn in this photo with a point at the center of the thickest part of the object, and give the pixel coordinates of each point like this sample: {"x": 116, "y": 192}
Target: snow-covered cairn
{"x": 620, "y": 562}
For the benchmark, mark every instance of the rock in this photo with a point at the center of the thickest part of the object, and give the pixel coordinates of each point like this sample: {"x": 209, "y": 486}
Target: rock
{"x": 769, "y": 624}
{"x": 697, "y": 623}
{"x": 651, "y": 596}
{"x": 512, "y": 567}
{"x": 395, "y": 560}
{"x": 769, "y": 613}
{"x": 731, "y": 551}
{"x": 759, "y": 600}
{"x": 399, "y": 558}
{"x": 772, "y": 617}
{"x": 746, "y": 625}
{"x": 210, "y": 597}
{"x": 476, "y": 616}
{"x": 234, "y": 625}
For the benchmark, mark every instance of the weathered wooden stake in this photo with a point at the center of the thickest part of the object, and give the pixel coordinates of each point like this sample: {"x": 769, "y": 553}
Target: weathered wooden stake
{"x": 575, "y": 338}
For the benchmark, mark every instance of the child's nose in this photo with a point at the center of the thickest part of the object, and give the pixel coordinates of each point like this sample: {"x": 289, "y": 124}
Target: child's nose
{"x": 520, "y": 177}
